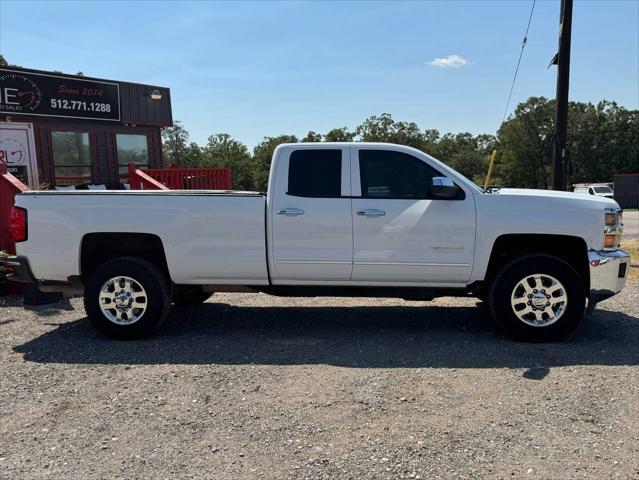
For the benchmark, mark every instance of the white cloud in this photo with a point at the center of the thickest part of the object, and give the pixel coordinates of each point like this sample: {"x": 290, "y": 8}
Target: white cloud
{"x": 451, "y": 61}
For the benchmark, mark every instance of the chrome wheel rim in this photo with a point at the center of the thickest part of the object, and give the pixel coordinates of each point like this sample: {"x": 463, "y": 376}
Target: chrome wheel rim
{"x": 123, "y": 300}
{"x": 539, "y": 300}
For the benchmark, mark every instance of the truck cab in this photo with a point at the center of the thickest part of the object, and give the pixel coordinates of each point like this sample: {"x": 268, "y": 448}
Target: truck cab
{"x": 367, "y": 214}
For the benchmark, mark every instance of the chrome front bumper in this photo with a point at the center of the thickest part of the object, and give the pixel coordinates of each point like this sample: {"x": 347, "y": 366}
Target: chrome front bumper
{"x": 608, "y": 273}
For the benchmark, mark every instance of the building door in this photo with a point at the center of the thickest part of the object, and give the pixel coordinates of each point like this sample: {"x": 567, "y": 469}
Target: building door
{"x": 17, "y": 150}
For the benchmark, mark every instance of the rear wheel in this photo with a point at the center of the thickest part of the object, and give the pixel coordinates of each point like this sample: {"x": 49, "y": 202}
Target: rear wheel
{"x": 127, "y": 298}
{"x": 537, "y": 298}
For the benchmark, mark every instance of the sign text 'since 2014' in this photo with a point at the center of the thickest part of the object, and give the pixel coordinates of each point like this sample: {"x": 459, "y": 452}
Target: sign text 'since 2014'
{"x": 26, "y": 93}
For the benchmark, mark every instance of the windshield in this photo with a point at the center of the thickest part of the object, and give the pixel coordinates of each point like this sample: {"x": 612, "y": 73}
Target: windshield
{"x": 602, "y": 189}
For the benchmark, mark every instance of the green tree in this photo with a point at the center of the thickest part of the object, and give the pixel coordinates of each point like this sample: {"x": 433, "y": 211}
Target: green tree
{"x": 377, "y": 129}
{"x": 175, "y": 146}
{"x": 262, "y": 154}
{"x": 339, "y": 135}
{"x": 525, "y": 145}
{"x": 430, "y": 139}
{"x": 466, "y": 153}
{"x": 222, "y": 151}
{"x": 193, "y": 156}
{"x": 312, "y": 136}
{"x": 383, "y": 128}
{"x": 603, "y": 139}
{"x": 3, "y": 62}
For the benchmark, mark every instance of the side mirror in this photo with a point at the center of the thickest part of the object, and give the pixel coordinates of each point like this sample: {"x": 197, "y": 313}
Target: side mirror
{"x": 443, "y": 187}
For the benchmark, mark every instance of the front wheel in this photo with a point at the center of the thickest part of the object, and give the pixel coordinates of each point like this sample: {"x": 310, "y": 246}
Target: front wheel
{"x": 537, "y": 298}
{"x": 127, "y": 298}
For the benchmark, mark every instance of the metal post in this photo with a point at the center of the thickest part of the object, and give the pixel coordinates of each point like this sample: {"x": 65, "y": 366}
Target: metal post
{"x": 561, "y": 107}
{"x": 489, "y": 175}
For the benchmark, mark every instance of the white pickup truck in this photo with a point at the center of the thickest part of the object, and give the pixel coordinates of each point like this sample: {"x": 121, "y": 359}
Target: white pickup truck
{"x": 339, "y": 219}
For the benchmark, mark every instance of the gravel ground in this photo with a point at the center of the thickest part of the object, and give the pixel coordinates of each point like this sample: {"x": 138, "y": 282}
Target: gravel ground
{"x": 252, "y": 386}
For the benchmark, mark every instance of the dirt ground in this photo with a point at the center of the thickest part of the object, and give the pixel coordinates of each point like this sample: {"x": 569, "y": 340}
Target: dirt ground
{"x": 252, "y": 386}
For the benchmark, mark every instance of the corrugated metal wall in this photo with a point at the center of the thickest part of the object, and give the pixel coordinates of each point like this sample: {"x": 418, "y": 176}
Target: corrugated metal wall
{"x": 136, "y": 105}
{"x": 627, "y": 190}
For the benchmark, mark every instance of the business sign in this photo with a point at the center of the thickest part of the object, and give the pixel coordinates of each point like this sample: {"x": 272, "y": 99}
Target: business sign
{"x": 26, "y": 93}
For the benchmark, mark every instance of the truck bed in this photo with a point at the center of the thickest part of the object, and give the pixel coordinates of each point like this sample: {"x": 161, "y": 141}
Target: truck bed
{"x": 209, "y": 236}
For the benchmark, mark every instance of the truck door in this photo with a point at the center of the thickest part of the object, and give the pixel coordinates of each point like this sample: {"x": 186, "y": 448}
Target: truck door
{"x": 400, "y": 233}
{"x": 311, "y": 234}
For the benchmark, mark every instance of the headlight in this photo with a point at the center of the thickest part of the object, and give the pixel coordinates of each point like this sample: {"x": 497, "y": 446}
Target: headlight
{"x": 611, "y": 218}
{"x": 613, "y": 228}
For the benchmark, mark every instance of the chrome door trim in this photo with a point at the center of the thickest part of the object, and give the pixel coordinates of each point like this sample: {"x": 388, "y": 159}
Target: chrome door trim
{"x": 415, "y": 264}
{"x": 315, "y": 262}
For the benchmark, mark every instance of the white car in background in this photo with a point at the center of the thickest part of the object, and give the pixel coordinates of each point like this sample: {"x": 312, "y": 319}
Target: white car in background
{"x": 597, "y": 190}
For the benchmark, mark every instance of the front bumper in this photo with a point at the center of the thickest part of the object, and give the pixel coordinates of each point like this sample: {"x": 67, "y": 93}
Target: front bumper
{"x": 608, "y": 273}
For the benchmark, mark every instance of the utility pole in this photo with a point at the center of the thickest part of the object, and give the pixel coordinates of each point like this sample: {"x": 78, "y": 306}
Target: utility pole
{"x": 561, "y": 102}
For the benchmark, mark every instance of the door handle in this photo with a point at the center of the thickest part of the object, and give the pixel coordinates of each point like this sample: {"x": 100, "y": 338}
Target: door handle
{"x": 371, "y": 212}
{"x": 290, "y": 212}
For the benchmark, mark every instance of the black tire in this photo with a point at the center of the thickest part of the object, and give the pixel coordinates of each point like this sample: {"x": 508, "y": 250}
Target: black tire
{"x": 503, "y": 286}
{"x": 157, "y": 299}
{"x": 190, "y": 295}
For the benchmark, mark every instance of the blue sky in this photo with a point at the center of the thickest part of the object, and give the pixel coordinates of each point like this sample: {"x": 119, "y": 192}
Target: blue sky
{"x": 255, "y": 69}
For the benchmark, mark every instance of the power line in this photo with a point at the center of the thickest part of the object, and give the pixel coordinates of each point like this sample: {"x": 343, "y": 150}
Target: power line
{"x": 521, "y": 53}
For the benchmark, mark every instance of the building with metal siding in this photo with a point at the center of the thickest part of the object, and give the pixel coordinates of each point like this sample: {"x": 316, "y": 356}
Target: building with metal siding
{"x": 627, "y": 190}
{"x": 58, "y": 129}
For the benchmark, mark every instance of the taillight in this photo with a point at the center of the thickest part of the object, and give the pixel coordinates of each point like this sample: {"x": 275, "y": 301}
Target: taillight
{"x": 18, "y": 224}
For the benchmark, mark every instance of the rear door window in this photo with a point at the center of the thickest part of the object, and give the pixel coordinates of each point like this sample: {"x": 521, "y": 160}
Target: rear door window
{"x": 315, "y": 173}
